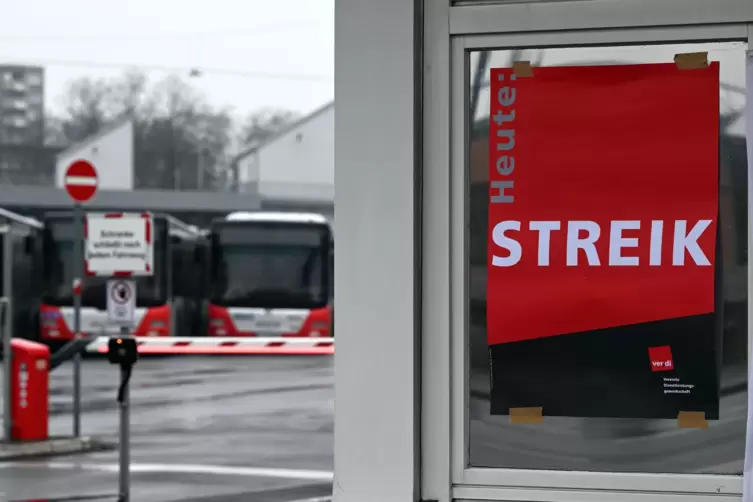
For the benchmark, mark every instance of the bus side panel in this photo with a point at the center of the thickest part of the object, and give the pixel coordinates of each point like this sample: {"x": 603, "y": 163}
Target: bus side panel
{"x": 243, "y": 321}
{"x": 57, "y": 322}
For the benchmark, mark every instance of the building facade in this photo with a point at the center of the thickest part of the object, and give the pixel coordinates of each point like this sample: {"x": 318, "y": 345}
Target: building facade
{"x": 21, "y": 105}
{"x": 296, "y": 165}
{"x": 294, "y": 170}
{"x": 23, "y": 156}
{"x": 414, "y": 419}
{"x": 111, "y": 150}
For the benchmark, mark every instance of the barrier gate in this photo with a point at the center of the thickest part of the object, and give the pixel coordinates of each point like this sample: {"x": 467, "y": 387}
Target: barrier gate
{"x": 226, "y": 346}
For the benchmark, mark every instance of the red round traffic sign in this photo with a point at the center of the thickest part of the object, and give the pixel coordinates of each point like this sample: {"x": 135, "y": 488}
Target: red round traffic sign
{"x": 81, "y": 180}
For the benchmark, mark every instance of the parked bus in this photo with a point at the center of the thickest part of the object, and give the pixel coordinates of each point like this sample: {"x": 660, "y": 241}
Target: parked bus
{"x": 20, "y": 284}
{"x": 271, "y": 275}
{"x": 167, "y": 302}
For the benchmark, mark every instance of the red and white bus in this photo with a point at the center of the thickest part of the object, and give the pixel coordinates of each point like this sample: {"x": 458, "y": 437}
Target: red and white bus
{"x": 167, "y": 303}
{"x": 270, "y": 274}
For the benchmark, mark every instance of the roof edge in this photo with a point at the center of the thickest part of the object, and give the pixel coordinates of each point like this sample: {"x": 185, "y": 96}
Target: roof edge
{"x": 104, "y": 131}
{"x": 256, "y": 145}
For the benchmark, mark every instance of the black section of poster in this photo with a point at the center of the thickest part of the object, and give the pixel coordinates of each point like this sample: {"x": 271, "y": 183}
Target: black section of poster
{"x": 610, "y": 373}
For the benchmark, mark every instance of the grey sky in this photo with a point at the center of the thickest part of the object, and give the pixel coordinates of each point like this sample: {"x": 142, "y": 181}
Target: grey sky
{"x": 230, "y": 40}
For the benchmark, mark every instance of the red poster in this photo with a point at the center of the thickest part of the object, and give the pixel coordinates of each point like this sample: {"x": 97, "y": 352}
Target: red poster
{"x": 603, "y": 205}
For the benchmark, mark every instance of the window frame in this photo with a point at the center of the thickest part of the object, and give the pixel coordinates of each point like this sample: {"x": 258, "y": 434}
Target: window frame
{"x": 520, "y": 16}
{"x": 446, "y": 352}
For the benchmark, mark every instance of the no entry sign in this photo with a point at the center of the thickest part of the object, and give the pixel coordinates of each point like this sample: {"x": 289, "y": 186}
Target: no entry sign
{"x": 81, "y": 181}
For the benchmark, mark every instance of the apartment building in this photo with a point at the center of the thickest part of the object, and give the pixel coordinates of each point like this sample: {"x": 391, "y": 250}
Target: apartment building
{"x": 21, "y": 105}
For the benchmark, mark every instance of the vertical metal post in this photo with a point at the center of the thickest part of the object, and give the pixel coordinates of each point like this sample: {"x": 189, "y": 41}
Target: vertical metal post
{"x": 78, "y": 253}
{"x": 125, "y": 436}
{"x": 7, "y": 371}
{"x": 6, "y": 325}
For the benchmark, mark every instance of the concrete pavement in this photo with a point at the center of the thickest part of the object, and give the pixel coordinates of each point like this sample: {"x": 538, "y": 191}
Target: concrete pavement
{"x": 12, "y": 450}
{"x": 203, "y": 429}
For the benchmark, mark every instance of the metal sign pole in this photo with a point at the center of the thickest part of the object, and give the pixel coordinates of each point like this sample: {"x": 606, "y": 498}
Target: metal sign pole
{"x": 7, "y": 371}
{"x": 125, "y": 436}
{"x": 79, "y": 253}
{"x": 6, "y": 325}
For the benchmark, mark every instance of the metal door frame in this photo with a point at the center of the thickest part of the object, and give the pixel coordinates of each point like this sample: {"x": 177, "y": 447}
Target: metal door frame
{"x": 450, "y": 32}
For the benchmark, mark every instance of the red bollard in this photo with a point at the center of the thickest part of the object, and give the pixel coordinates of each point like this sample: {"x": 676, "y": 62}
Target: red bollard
{"x": 29, "y": 390}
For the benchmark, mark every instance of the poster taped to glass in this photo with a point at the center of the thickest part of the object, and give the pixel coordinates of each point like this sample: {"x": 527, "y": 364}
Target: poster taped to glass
{"x": 604, "y": 294}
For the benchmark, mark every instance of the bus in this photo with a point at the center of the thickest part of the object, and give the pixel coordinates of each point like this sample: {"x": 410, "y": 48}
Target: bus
{"x": 19, "y": 274}
{"x": 168, "y": 303}
{"x": 270, "y": 275}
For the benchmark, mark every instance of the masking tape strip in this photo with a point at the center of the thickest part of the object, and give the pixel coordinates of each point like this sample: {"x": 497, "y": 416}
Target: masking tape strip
{"x": 526, "y": 415}
{"x": 522, "y": 69}
{"x": 692, "y": 60}
{"x": 692, "y": 420}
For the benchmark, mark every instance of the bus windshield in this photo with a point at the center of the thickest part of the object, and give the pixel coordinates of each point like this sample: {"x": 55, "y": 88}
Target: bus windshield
{"x": 270, "y": 266}
{"x": 58, "y": 270}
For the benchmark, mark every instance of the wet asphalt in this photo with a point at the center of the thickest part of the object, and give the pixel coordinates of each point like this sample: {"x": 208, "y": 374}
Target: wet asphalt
{"x": 203, "y": 429}
{"x": 237, "y": 429}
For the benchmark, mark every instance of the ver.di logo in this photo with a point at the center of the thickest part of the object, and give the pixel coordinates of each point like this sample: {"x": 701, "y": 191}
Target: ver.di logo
{"x": 661, "y": 358}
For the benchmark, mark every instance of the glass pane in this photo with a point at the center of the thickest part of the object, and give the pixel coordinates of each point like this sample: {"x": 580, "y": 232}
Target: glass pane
{"x": 616, "y": 444}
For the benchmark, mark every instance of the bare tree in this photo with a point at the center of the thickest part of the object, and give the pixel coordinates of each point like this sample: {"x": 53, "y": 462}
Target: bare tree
{"x": 262, "y": 124}
{"x": 181, "y": 141}
{"x": 85, "y": 107}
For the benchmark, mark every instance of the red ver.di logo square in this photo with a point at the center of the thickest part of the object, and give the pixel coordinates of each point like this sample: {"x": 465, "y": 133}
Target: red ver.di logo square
{"x": 661, "y": 358}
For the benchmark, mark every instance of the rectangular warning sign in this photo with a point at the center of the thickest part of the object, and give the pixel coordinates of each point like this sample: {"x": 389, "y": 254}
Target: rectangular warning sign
{"x": 602, "y": 240}
{"x": 119, "y": 244}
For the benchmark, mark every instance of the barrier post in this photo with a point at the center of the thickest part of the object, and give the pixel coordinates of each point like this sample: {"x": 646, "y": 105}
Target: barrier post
{"x": 78, "y": 253}
{"x": 125, "y": 443}
{"x": 123, "y": 351}
{"x": 125, "y": 431}
{"x": 7, "y": 370}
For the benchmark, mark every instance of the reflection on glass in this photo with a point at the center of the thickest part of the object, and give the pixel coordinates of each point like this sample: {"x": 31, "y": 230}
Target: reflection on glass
{"x": 616, "y": 445}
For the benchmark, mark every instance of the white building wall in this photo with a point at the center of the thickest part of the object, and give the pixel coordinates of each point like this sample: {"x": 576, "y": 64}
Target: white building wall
{"x": 111, "y": 153}
{"x": 376, "y": 394}
{"x": 298, "y": 164}
{"x": 304, "y": 154}
{"x": 248, "y": 171}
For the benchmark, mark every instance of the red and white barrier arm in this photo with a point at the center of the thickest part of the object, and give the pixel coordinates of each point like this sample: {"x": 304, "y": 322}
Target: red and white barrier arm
{"x": 220, "y": 345}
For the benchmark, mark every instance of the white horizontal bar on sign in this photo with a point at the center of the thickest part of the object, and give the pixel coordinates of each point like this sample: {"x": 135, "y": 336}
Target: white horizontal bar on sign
{"x": 80, "y": 180}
